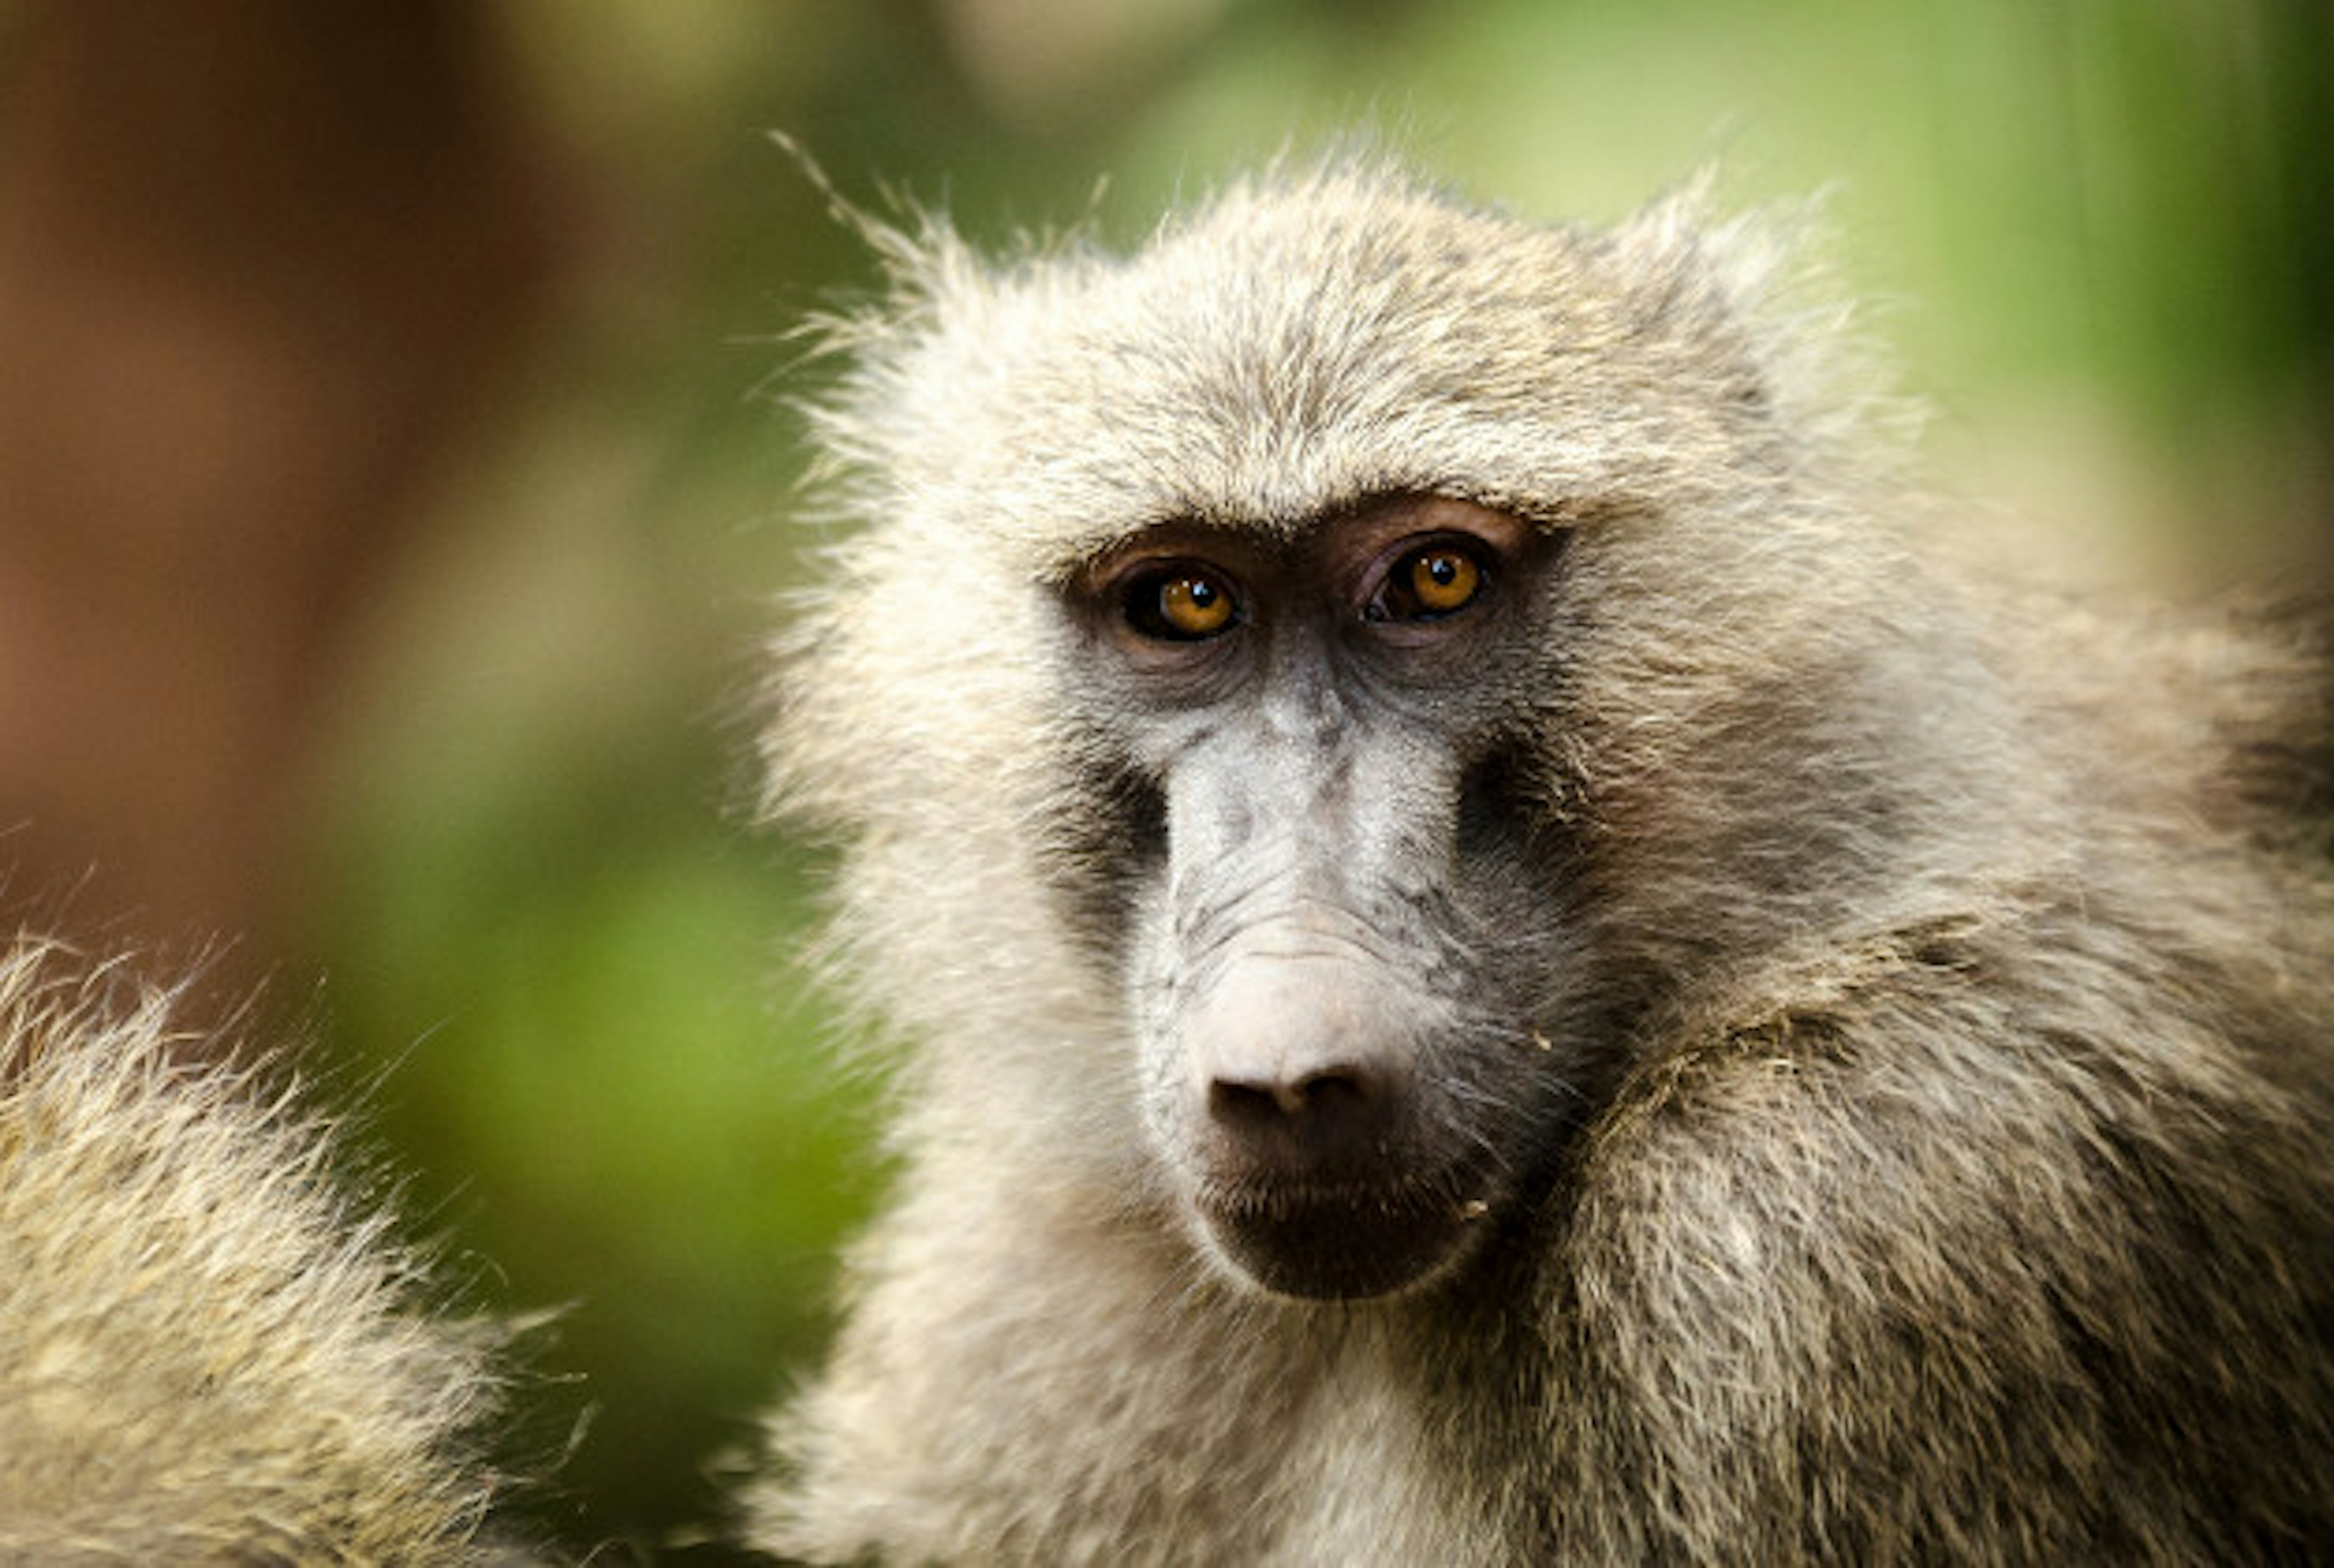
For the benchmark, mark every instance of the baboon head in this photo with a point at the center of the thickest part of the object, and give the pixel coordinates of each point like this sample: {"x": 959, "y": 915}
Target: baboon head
{"x": 1302, "y": 692}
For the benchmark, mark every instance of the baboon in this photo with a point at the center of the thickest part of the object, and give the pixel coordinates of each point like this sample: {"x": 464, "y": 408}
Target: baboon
{"x": 208, "y": 1352}
{"x": 1496, "y": 960}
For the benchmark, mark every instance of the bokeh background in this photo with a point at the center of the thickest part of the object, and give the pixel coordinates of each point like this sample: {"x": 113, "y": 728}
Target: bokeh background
{"x": 395, "y": 462}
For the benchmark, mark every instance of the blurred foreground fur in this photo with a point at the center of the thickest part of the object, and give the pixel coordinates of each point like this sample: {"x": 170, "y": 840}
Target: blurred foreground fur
{"x": 207, "y": 1353}
{"x": 1895, "y": 1012}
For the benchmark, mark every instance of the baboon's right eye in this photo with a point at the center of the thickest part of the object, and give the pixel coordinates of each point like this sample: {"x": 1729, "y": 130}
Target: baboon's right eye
{"x": 1181, "y": 601}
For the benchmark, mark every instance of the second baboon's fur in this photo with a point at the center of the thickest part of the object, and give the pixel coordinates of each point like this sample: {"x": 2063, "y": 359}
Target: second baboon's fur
{"x": 1894, "y": 1013}
{"x": 208, "y": 1354}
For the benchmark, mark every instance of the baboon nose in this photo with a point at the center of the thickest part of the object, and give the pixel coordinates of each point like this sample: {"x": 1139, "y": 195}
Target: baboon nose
{"x": 1297, "y": 1121}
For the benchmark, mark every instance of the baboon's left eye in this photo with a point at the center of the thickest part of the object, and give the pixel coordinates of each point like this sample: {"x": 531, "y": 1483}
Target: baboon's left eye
{"x": 1427, "y": 583}
{"x": 1180, "y": 602}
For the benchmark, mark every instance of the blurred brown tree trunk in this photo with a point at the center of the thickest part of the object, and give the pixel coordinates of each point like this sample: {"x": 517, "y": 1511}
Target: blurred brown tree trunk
{"x": 259, "y": 260}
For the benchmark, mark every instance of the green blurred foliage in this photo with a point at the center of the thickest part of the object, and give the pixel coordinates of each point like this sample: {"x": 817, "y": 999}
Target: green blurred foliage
{"x": 534, "y": 882}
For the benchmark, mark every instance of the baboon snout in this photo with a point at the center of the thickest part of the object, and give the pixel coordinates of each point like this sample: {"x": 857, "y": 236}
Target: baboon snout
{"x": 1296, "y": 1076}
{"x": 1314, "y": 1180}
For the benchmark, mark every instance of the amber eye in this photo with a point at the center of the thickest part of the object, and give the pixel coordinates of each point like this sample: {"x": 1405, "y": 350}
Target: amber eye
{"x": 1443, "y": 581}
{"x": 1181, "y": 601}
{"x": 1428, "y": 584}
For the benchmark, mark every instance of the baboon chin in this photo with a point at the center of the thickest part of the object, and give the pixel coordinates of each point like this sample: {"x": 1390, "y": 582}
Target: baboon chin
{"x": 1489, "y": 961}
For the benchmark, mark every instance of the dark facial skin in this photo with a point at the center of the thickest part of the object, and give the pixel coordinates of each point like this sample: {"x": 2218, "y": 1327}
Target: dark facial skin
{"x": 1340, "y": 1052}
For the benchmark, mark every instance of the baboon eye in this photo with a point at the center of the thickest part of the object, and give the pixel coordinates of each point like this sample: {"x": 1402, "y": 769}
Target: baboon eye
{"x": 1181, "y": 601}
{"x": 1438, "y": 579}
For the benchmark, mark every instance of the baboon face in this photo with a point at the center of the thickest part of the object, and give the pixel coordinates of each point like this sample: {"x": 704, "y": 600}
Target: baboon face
{"x": 1305, "y": 733}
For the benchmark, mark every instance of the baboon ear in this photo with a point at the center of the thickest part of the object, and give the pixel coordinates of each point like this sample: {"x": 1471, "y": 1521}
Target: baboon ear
{"x": 1756, "y": 309}
{"x": 1706, "y": 281}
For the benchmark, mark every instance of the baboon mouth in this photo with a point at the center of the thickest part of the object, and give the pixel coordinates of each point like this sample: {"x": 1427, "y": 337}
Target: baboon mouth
{"x": 1342, "y": 1241}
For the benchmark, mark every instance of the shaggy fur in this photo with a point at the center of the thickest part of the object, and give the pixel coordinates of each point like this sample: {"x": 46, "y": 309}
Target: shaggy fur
{"x": 207, "y": 1353}
{"x": 1929, "y": 1160}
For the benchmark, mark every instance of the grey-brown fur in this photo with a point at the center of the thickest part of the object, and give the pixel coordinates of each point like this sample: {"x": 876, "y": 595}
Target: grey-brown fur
{"x": 1922, "y": 1153}
{"x": 208, "y": 1352}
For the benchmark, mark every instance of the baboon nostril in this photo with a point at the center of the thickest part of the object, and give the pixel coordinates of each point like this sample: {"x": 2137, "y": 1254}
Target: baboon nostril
{"x": 1303, "y": 1118}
